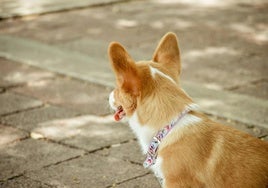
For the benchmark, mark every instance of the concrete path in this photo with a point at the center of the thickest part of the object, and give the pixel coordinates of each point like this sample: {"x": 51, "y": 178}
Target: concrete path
{"x": 96, "y": 69}
{"x": 15, "y": 8}
{"x": 55, "y": 124}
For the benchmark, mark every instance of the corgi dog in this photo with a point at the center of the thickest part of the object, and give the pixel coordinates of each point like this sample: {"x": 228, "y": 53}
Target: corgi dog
{"x": 184, "y": 148}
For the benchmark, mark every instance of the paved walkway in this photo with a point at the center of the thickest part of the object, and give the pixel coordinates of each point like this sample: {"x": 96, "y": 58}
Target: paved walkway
{"x": 55, "y": 124}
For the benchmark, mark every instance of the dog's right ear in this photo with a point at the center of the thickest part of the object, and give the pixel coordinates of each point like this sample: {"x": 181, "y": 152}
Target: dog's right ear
{"x": 168, "y": 53}
{"x": 124, "y": 68}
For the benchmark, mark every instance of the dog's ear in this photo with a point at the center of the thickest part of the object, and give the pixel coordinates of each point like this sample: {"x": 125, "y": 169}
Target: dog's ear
{"x": 168, "y": 52}
{"x": 124, "y": 68}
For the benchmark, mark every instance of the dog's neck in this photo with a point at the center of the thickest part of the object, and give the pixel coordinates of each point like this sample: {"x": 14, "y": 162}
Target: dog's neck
{"x": 157, "y": 139}
{"x": 145, "y": 133}
{"x": 162, "y": 108}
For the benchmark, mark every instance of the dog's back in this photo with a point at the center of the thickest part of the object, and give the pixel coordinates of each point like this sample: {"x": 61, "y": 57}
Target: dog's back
{"x": 214, "y": 155}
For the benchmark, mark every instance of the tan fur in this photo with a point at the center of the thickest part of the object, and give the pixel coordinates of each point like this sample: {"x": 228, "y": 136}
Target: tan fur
{"x": 205, "y": 154}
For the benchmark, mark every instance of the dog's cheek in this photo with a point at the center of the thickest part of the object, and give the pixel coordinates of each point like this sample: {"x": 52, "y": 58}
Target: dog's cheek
{"x": 115, "y": 99}
{"x": 129, "y": 103}
{"x": 112, "y": 100}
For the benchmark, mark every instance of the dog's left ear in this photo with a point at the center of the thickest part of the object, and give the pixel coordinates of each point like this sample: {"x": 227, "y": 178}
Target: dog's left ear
{"x": 167, "y": 52}
{"x": 125, "y": 69}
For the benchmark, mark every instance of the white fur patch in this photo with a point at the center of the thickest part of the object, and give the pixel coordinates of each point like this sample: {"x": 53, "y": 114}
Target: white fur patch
{"x": 143, "y": 133}
{"x": 157, "y": 169}
{"x": 112, "y": 100}
{"x": 156, "y": 71}
{"x": 188, "y": 119}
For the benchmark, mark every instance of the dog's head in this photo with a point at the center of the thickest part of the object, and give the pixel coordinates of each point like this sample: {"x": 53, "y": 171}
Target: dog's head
{"x": 149, "y": 88}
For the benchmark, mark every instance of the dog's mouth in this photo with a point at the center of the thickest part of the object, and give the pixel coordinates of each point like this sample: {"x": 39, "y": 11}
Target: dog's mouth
{"x": 119, "y": 113}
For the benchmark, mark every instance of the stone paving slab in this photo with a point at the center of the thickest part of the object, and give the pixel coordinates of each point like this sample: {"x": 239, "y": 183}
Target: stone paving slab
{"x": 259, "y": 132}
{"x": 97, "y": 48}
{"x": 93, "y": 141}
{"x": 88, "y": 171}
{"x": 28, "y": 120}
{"x": 55, "y": 59}
{"x": 23, "y": 182}
{"x": 15, "y": 74}
{"x": 11, "y": 103}
{"x": 14, "y": 8}
{"x": 90, "y": 22}
{"x": 261, "y": 86}
{"x": 80, "y": 96}
{"x": 241, "y": 108}
{"x": 129, "y": 151}
{"x": 87, "y": 132}
{"x": 31, "y": 155}
{"x": 10, "y": 135}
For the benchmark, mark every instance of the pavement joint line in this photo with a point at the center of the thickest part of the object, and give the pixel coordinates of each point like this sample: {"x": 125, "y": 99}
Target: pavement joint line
{"x": 19, "y": 140}
{"x": 20, "y": 111}
{"x": 264, "y": 136}
{"x": 123, "y": 142}
{"x": 65, "y": 9}
{"x": 44, "y": 104}
{"x": 230, "y": 121}
{"x": 86, "y": 152}
{"x": 10, "y": 125}
{"x": 98, "y": 149}
{"x": 25, "y": 95}
{"x": 60, "y": 162}
{"x": 232, "y": 88}
{"x": 133, "y": 162}
{"x": 11, "y": 178}
{"x": 111, "y": 146}
{"x": 63, "y": 144}
{"x": 259, "y": 80}
{"x": 104, "y": 147}
{"x": 133, "y": 178}
{"x": 248, "y": 125}
{"x": 6, "y": 88}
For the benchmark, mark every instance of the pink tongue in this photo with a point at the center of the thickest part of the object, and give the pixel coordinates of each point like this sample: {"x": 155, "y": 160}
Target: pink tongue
{"x": 119, "y": 114}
